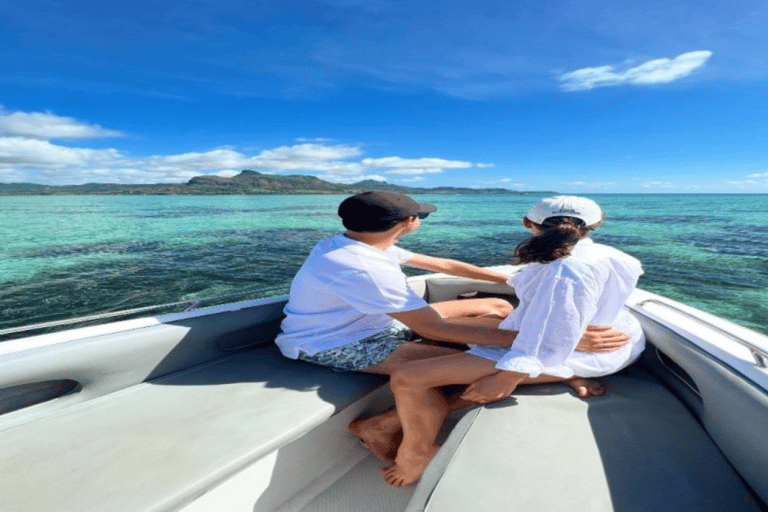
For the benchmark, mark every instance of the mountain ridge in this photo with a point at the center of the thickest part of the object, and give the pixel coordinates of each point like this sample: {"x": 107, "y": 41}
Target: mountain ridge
{"x": 248, "y": 182}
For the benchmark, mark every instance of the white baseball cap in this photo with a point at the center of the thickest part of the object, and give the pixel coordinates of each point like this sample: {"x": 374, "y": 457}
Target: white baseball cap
{"x": 566, "y": 206}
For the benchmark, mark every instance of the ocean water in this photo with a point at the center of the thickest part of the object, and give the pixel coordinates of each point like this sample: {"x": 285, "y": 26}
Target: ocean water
{"x": 70, "y": 256}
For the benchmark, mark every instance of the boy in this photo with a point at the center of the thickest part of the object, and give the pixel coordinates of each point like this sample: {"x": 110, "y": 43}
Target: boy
{"x": 350, "y": 307}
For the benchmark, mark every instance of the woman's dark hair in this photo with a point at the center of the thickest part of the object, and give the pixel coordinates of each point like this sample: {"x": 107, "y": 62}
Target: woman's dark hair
{"x": 559, "y": 236}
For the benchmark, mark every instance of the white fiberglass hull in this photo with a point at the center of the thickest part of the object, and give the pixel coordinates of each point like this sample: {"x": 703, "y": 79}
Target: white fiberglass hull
{"x": 198, "y": 411}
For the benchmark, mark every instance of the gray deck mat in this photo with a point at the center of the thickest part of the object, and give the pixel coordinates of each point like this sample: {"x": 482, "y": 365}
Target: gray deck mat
{"x": 440, "y": 463}
{"x": 634, "y": 450}
{"x": 362, "y": 489}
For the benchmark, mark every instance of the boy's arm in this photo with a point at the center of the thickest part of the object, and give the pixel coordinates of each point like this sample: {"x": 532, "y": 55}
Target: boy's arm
{"x": 455, "y": 268}
{"x": 426, "y": 322}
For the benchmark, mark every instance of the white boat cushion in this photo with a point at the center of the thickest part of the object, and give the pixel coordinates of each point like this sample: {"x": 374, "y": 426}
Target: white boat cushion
{"x": 159, "y": 444}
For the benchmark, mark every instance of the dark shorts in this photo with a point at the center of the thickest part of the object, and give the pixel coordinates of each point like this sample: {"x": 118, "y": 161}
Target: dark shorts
{"x": 359, "y": 355}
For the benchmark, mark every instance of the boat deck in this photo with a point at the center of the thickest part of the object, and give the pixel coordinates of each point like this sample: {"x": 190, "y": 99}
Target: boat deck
{"x": 199, "y": 412}
{"x": 636, "y": 449}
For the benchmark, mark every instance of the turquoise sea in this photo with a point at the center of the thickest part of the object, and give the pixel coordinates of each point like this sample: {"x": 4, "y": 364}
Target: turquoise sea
{"x": 71, "y": 256}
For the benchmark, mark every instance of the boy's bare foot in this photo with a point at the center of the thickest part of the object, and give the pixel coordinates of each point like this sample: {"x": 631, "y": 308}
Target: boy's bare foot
{"x": 382, "y": 437}
{"x": 408, "y": 470}
{"x": 586, "y": 387}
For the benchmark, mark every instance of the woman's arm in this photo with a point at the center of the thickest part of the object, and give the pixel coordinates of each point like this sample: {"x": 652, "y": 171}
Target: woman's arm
{"x": 455, "y": 268}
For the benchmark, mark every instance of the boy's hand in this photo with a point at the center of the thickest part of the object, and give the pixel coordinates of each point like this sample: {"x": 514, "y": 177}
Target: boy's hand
{"x": 602, "y": 338}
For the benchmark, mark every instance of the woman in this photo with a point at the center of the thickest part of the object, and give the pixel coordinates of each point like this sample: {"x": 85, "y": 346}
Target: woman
{"x": 570, "y": 282}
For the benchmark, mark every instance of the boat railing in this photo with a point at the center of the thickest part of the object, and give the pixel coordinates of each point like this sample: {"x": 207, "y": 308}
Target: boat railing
{"x": 187, "y": 305}
{"x": 758, "y": 353}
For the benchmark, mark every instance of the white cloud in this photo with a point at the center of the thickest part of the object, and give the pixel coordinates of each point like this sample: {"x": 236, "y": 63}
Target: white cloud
{"x": 394, "y": 162}
{"x": 334, "y": 178}
{"x": 414, "y": 166}
{"x": 80, "y": 165}
{"x": 40, "y": 153}
{"x": 657, "y": 71}
{"x": 415, "y": 171}
{"x": 319, "y": 140}
{"x": 227, "y": 174}
{"x": 300, "y": 157}
{"x": 216, "y": 158}
{"x": 758, "y": 179}
{"x": 660, "y": 184}
{"x": 309, "y": 153}
{"x": 591, "y": 185}
{"x": 46, "y": 126}
{"x": 13, "y": 175}
{"x": 27, "y": 154}
{"x": 510, "y": 181}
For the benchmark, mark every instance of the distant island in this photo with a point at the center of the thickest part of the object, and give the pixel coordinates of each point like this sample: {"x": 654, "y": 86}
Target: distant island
{"x": 248, "y": 182}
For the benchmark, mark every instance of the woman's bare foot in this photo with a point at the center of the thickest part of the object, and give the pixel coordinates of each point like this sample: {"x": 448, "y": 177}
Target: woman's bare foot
{"x": 380, "y": 434}
{"x": 586, "y": 387}
{"x": 408, "y": 469}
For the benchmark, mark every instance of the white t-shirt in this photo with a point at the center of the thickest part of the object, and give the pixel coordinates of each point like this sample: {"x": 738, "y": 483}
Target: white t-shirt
{"x": 557, "y": 302}
{"x": 342, "y": 294}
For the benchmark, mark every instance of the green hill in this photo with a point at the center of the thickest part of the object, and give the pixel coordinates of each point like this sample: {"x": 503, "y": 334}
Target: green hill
{"x": 247, "y": 182}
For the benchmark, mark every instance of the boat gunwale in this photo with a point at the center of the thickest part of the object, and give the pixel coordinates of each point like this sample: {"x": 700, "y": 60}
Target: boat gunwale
{"x": 57, "y": 338}
{"x": 722, "y": 344}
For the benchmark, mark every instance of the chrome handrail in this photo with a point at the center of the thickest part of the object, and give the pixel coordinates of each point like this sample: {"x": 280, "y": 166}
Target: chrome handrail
{"x": 758, "y": 353}
{"x": 193, "y": 304}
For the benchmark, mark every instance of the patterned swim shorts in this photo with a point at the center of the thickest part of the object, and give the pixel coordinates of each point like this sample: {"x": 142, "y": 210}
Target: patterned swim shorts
{"x": 361, "y": 354}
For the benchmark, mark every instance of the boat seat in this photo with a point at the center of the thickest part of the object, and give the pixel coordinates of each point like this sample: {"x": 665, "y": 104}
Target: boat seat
{"x": 162, "y": 443}
{"x": 636, "y": 449}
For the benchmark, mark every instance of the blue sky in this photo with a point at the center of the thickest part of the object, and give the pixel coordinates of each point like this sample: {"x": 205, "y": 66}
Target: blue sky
{"x": 578, "y": 97}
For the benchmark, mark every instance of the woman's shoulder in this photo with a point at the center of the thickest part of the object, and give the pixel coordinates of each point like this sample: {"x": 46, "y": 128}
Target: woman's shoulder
{"x": 589, "y": 250}
{"x": 605, "y": 258}
{"x": 570, "y": 268}
{"x": 616, "y": 254}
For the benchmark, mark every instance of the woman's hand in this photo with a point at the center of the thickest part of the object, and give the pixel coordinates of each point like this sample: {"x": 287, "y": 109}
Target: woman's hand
{"x": 493, "y": 387}
{"x": 602, "y": 338}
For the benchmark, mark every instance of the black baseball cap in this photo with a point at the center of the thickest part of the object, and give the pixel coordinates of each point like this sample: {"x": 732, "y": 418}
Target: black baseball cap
{"x": 375, "y": 211}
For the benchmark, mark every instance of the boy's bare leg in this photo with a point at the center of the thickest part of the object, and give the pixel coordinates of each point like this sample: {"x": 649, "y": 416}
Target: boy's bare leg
{"x": 422, "y": 408}
{"x": 382, "y": 433}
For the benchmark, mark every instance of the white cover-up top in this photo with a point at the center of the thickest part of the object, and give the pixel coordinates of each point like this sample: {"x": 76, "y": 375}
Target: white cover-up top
{"x": 557, "y": 302}
{"x": 342, "y": 294}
